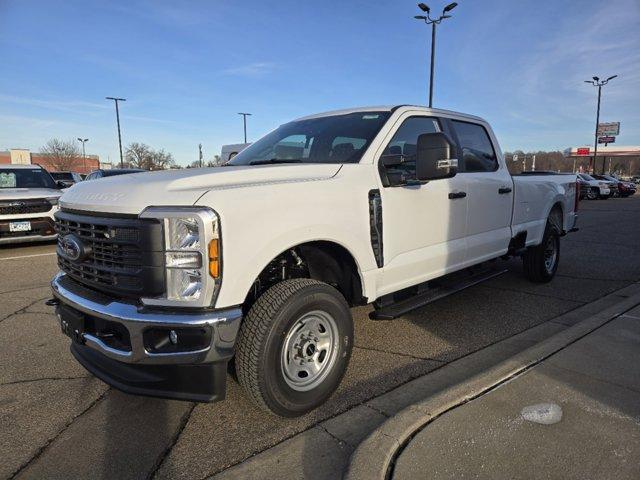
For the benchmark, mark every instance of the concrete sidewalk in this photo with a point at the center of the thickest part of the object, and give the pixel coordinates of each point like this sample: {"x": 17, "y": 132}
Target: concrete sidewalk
{"x": 574, "y": 415}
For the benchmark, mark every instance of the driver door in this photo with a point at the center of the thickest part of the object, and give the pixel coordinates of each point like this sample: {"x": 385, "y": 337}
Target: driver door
{"x": 424, "y": 224}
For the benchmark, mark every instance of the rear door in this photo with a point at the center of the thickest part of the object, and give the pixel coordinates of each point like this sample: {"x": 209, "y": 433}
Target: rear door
{"x": 489, "y": 192}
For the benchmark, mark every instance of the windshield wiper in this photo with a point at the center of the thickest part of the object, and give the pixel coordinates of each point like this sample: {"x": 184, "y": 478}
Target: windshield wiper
{"x": 276, "y": 160}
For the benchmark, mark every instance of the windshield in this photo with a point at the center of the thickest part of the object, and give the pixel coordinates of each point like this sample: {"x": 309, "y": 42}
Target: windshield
{"x": 331, "y": 139}
{"x": 26, "y": 178}
{"x": 586, "y": 177}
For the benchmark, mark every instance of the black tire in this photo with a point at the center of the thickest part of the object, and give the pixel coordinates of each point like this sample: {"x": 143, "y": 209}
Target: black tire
{"x": 262, "y": 338}
{"x": 593, "y": 193}
{"x": 534, "y": 260}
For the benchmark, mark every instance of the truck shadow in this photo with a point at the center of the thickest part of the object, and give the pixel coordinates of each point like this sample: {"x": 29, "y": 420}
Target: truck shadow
{"x": 136, "y": 431}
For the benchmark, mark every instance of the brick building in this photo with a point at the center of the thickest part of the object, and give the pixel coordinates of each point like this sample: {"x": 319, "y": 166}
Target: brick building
{"x": 25, "y": 157}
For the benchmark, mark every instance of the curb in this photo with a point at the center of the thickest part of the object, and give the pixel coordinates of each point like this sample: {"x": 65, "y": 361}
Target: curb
{"x": 374, "y": 457}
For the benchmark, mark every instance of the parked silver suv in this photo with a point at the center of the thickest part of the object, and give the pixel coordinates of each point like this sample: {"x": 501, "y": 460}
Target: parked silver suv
{"x": 28, "y": 200}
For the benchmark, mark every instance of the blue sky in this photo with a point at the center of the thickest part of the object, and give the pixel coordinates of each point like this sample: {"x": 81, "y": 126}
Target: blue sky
{"x": 187, "y": 68}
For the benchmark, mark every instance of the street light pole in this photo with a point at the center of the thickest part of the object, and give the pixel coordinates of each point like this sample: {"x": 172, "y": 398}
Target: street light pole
{"x": 116, "y": 100}
{"x": 84, "y": 157}
{"x": 433, "y": 62}
{"x": 244, "y": 119}
{"x": 596, "y": 82}
{"x": 433, "y": 22}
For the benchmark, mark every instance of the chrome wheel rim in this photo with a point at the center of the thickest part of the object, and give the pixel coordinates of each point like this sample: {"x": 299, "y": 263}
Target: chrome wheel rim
{"x": 310, "y": 350}
{"x": 550, "y": 254}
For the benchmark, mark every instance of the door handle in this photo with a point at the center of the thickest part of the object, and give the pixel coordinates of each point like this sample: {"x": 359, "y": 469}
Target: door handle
{"x": 454, "y": 195}
{"x": 503, "y": 190}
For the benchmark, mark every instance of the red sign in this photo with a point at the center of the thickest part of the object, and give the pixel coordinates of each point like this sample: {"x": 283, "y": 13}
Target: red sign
{"x": 583, "y": 151}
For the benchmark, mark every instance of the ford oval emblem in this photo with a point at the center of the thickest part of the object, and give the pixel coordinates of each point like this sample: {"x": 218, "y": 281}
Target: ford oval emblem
{"x": 72, "y": 248}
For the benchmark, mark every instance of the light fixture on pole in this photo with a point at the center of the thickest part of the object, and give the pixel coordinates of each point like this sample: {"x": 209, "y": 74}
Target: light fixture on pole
{"x": 84, "y": 157}
{"x": 244, "y": 119}
{"x": 433, "y": 22}
{"x": 596, "y": 82}
{"x": 116, "y": 100}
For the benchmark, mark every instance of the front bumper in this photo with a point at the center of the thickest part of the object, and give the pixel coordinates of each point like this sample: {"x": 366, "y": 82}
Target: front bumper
{"x": 42, "y": 229}
{"x": 132, "y": 365}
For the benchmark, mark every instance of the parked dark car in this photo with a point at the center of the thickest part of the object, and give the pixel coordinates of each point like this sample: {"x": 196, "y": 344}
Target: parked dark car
{"x": 68, "y": 178}
{"x": 96, "y": 174}
{"x": 625, "y": 189}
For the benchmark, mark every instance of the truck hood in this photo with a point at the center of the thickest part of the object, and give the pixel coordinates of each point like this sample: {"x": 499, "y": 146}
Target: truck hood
{"x": 132, "y": 193}
{"x": 27, "y": 193}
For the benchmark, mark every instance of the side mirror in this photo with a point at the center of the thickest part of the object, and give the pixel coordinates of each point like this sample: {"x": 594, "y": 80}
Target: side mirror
{"x": 63, "y": 184}
{"x": 433, "y": 157}
{"x": 393, "y": 157}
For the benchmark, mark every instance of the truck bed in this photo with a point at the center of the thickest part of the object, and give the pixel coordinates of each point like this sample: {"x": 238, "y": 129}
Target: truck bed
{"x": 536, "y": 193}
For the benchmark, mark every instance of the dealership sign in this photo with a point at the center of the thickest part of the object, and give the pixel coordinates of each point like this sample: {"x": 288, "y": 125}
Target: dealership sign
{"x": 610, "y": 129}
{"x": 607, "y": 139}
{"x": 583, "y": 151}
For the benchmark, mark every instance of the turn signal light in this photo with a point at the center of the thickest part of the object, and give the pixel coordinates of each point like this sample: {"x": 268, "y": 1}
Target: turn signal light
{"x": 214, "y": 259}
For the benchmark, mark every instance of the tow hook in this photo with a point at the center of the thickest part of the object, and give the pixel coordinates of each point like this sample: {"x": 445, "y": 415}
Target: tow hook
{"x": 52, "y": 302}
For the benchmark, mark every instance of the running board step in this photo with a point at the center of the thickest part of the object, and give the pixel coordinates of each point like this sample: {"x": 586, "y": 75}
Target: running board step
{"x": 442, "y": 288}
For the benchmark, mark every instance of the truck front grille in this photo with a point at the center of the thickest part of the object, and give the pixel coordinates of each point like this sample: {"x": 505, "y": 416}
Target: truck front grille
{"x": 17, "y": 207}
{"x": 118, "y": 254}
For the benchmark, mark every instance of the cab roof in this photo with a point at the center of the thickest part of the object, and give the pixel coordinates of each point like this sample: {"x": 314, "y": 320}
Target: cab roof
{"x": 393, "y": 108}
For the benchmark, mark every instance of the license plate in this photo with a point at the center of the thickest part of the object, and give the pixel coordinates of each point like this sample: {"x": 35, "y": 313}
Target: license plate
{"x": 19, "y": 226}
{"x": 71, "y": 323}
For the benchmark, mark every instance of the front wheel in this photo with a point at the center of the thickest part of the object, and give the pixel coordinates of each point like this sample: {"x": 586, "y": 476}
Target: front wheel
{"x": 592, "y": 193}
{"x": 541, "y": 262}
{"x": 294, "y": 346}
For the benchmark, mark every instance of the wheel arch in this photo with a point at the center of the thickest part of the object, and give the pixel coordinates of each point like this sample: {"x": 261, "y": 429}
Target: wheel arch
{"x": 324, "y": 260}
{"x": 557, "y": 206}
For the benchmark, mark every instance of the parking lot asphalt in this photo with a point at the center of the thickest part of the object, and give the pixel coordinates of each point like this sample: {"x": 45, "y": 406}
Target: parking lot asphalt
{"x": 59, "y": 422}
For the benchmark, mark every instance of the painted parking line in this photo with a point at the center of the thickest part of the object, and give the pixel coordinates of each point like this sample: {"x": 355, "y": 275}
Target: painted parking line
{"x": 28, "y": 256}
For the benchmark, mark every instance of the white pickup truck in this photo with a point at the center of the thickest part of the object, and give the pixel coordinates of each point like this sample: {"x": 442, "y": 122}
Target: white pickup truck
{"x": 168, "y": 279}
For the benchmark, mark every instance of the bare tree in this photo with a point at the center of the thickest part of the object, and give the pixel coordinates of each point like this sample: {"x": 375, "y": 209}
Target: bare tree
{"x": 162, "y": 159}
{"x": 63, "y": 155}
{"x": 142, "y": 156}
{"x": 138, "y": 155}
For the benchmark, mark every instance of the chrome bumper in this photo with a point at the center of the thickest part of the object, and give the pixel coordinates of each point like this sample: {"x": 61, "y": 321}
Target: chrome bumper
{"x": 28, "y": 239}
{"x": 224, "y": 325}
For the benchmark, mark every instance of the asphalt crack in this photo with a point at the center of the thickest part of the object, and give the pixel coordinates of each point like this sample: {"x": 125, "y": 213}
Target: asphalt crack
{"x": 167, "y": 451}
{"x": 44, "y": 447}
{"x": 23, "y": 309}
{"x": 44, "y": 379}
{"x": 37, "y": 287}
{"x": 336, "y": 438}
{"x": 391, "y": 352}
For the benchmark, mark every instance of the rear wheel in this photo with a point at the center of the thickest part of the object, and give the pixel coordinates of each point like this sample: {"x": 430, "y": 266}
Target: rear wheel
{"x": 541, "y": 262}
{"x": 294, "y": 346}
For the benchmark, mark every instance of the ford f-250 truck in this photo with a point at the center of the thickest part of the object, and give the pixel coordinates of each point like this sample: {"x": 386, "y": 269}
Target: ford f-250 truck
{"x": 168, "y": 279}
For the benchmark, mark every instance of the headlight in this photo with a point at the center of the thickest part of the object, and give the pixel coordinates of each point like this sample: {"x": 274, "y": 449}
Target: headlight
{"x": 53, "y": 200}
{"x": 191, "y": 259}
